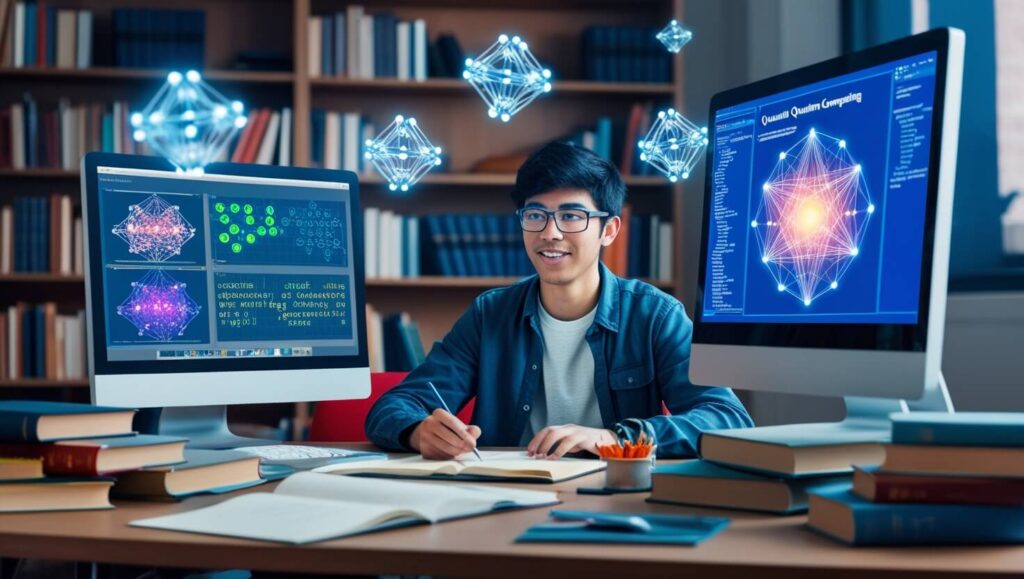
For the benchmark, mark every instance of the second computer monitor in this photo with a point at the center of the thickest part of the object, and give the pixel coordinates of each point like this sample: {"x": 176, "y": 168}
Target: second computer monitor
{"x": 827, "y": 218}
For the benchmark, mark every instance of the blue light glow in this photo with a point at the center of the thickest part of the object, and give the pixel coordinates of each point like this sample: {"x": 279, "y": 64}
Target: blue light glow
{"x": 402, "y": 153}
{"x": 507, "y": 77}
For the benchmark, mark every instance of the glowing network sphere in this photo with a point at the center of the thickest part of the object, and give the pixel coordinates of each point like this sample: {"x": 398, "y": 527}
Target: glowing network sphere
{"x": 507, "y": 77}
{"x": 188, "y": 122}
{"x": 673, "y": 145}
{"x": 155, "y": 229}
{"x": 402, "y": 153}
{"x": 159, "y": 307}
{"x": 675, "y": 37}
{"x": 814, "y": 212}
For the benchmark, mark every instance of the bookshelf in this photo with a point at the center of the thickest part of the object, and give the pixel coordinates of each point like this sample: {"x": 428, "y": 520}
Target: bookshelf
{"x": 449, "y": 111}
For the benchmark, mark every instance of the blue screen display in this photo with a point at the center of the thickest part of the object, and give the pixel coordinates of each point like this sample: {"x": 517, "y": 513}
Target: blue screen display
{"x": 818, "y": 201}
{"x": 224, "y": 266}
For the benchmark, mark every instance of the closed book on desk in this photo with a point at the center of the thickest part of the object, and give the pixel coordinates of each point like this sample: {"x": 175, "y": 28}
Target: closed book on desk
{"x": 790, "y": 451}
{"x": 954, "y": 460}
{"x": 213, "y": 471}
{"x": 701, "y": 483}
{"x": 98, "y": 456}
{"x": 308, "y": 507}
{"x": 20, "y": 468}
{"x": 512, "y": 466}
{"x": 882, "y": 486}
{"x": 840, "y": 514}
{"x": 33, "y": 421}
{"x": 959, "y": 429}
{"x": 55, "y": 494}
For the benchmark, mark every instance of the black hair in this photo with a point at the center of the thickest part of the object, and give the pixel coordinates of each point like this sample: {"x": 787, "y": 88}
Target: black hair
{"x": 559, "y": 165}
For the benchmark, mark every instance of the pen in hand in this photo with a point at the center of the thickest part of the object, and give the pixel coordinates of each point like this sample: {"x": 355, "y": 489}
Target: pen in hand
{"x": 446, "y": 409}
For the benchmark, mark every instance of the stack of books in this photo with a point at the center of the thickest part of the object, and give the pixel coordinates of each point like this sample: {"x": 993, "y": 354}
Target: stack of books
{"x": 769, "y": 469}
{"x": 625, "y": 54}
{"x": 266, "y": 139}
{"x": 394, "y": 341}
{"x": 946, "y": 479}
{"x": 36, "y": 341}
{"x": 37, "y": 34}
{"x": 67, "y": 456}
{"x": 360, "y": 45}
{"x": 336, "y": 139}
{"x": 41, "y": 234}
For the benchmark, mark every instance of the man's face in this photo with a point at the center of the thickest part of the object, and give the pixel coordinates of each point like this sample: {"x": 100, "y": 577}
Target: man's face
{"x": 561, "y": 258}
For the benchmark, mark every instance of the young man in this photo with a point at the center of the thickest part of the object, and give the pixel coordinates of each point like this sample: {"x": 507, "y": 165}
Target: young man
{"x": 561, "y": 358}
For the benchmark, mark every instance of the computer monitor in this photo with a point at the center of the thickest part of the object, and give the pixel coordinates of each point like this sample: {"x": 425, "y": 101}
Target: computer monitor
{"x": 826, "y": 229}
{"x": 241, "y": 285}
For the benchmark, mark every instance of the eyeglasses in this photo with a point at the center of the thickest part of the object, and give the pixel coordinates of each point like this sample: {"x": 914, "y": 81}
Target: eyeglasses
{"x": 534, "y": 219}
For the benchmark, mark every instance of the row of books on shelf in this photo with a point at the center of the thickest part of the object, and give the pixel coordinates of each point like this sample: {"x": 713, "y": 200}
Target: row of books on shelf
{"x": 393, "y": 341}
{"x": 336, "y": 139}
{"x": 266, "y": 138}
{"x": 66, "y": 456}
{"x": 941, "y": 479}
{"x": 41, "y": 234}
{"x": 41, "y": 35}
{"x": 35, "y": 33}
{"x": 625, "y": 54}
{"x": 491, "y": 245}
{"x": 360, "y": 45}
{"x": 37, "y": 341}
{"x": 615, "y": 139}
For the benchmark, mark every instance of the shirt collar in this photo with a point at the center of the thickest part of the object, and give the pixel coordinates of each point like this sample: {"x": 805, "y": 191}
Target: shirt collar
{"x": 607, "y": 300}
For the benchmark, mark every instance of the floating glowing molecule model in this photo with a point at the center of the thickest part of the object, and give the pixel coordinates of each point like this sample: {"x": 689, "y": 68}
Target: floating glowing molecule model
{"x": 673, "y": 145}
{"x": 188, "y": 122}
{"x": 402, "y": 153}
{"x": 159, "y": 307}
{"x": 155, "y": 229}
{"x": 675, "y": 37}
{"x": 813, "y": 215}
{"x": 507, "y": 77}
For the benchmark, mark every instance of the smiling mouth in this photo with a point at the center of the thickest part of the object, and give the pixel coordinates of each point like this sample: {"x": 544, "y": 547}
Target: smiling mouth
{"x": 552, "y": 253}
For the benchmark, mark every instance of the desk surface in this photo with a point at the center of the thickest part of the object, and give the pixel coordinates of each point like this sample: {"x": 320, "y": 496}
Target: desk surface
{"x": 753, "y": 545}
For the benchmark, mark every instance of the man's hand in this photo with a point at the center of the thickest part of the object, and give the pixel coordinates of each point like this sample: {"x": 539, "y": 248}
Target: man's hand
{"x": 443, "y": 436}
{"x": 567, "y": 438}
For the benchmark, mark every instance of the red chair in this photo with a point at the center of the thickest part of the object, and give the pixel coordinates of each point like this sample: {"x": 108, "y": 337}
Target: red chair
{"x": 345, "y": 420}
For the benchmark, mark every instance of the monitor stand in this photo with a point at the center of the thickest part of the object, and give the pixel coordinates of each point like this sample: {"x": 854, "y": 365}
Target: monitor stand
{"x": 204, "y": 427}
{"x": 867, "y": 419}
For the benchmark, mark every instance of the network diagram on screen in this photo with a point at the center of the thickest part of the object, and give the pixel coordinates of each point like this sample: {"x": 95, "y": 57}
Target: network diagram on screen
{"x": 818, "y": 201}
{"x": 224, "y": 267}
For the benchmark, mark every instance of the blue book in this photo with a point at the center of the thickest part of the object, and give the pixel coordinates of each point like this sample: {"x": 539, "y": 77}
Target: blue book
{"x": 51, "y": 36}
{"x": 326, "y": 45}
{"x": 439, "y": 249}
{"x": 842, "y": 515}
{"x": 28, "y": 330}
{"x": 204, "y": 471}
{"x": 31, "y": 131}
{"x": 603, "y": 138}
{"x": 453, "y": 240}
{"x": 639, "y": 528}
{"x": 340, "y": 42}
{"x": 42, "y": 234}
{"x": 701, "y": 483}
{"x": 39, "y": 421}
{"x": 120, "y": 26}
{"x": 21, "y": 233}
{"x": 107, "y": 133}
{"x": 31, "y": 29}
{"x": 475, "y": 232}
{"x": 959, "y": 429}
{"x": 39, "y": 357}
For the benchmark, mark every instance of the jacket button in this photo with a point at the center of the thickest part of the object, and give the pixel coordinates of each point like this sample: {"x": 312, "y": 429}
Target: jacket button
{"x": 534, "y": 366}
{"x": 526, "y": 407}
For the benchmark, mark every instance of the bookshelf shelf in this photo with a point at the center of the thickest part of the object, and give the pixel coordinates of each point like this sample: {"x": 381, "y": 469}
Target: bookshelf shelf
{"x": 133, "y": 74}
{"x": 44, "y": 383}
{"x": 453, "y": 85}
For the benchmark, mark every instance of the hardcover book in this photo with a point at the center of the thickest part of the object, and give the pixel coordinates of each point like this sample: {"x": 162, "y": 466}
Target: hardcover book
{"x": 32, "y": 421}
{"x": 97, "y": 456}
{"x": 496, "y": 466}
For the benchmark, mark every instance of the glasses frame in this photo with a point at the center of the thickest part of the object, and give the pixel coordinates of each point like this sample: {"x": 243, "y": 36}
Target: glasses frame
{"x": 549, "y": 213}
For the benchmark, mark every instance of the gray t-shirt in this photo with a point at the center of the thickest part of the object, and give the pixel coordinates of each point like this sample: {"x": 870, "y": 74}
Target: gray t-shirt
{"x": 567, "y": 395}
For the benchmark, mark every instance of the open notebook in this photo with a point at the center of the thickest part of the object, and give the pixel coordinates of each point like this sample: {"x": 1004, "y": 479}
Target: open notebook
{"x": 308, "y": 507}
{"x": 496, "y": 465}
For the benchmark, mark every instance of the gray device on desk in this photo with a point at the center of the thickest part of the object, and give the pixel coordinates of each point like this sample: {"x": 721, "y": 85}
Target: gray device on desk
{"x": 826, "y": 231}
{"x": 238, "y": 286}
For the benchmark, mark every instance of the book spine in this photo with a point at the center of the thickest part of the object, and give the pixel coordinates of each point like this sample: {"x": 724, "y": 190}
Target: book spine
{"x": 937, "y": 525}
{"x": 948, "y": 490}
{"x": 17, "y": 426}
{"x": 57, "y": 459}
{"x": 956, "y": 435}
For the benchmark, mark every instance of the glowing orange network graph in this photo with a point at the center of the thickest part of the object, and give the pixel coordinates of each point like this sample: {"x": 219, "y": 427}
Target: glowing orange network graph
{"x": 814, "y": 211}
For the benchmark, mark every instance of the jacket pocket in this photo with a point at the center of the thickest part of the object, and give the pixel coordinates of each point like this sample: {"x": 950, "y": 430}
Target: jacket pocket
{"x": 631, "y": 377}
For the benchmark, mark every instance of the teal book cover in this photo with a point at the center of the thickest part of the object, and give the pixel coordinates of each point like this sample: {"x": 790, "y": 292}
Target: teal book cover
{"x": 959, "y": 429}
{"x": 19, "y": 419}
{"x": 842, "y": 515}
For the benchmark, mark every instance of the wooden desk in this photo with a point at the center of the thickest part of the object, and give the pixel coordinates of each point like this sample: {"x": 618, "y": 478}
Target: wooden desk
{"x": 752, "y": 546}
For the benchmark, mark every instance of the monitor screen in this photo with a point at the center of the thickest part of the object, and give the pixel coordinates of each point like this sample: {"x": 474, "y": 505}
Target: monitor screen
{"x": 224, "y": 267}
{"x": 819, "y": 198}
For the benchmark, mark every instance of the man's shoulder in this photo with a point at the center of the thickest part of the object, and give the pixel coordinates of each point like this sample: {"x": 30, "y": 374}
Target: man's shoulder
{"x": 507, "y": 296}
{"x": 637, "y": 294}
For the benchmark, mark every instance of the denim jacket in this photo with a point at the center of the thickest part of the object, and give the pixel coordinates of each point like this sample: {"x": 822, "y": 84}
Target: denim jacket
{"x": 640, "y": 340}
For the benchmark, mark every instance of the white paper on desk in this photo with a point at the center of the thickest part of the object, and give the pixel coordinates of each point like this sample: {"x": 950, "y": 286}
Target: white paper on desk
{"x": 308, "y": 507}
{"x": 497, "y": 464}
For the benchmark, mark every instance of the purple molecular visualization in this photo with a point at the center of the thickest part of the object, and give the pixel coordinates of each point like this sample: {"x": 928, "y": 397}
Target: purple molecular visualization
{"x": 155, "y": 229}
{"x": 159, "y": 307}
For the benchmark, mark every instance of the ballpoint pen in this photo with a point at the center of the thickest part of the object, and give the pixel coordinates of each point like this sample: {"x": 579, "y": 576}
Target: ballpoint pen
{"x": 446, "y": 409}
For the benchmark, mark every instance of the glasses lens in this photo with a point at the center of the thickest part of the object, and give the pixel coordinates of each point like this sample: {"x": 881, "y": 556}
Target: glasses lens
{"x": 533, "y": 219}
{"x": 572, "y": 220}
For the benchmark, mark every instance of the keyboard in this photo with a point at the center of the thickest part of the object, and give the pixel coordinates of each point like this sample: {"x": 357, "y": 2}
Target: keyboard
{"x": 301, "y": 457}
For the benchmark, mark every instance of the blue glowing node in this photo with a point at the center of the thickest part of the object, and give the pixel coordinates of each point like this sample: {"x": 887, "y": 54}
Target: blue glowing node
{"x": 673, "y": 145}
{"x": 402, "y": 153}
{"x": 159, "y": 307}
{"x": 675, "y": 37}
{"x": 507, "y": 77}
{"x": 188, "y": 122}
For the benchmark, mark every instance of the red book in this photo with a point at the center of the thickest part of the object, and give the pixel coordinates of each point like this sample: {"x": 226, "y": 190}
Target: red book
{"x": 893, "y": 487}
{"x": 40, "y": 33}
{"x": 243, "y": 141}
{"x": 636, "y": 113}
{"x": 258, "y": 130}
{"x": 5, "y": 137}
{"x": 98, "y": 456}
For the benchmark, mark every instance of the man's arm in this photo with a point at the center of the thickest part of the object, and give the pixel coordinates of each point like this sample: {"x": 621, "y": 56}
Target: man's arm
{"x": 694, "y": 409}
{"x": 451, "y": 366}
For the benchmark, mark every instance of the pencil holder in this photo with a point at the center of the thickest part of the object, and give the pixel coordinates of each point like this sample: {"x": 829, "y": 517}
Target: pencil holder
{"x": 628, "y": 474}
